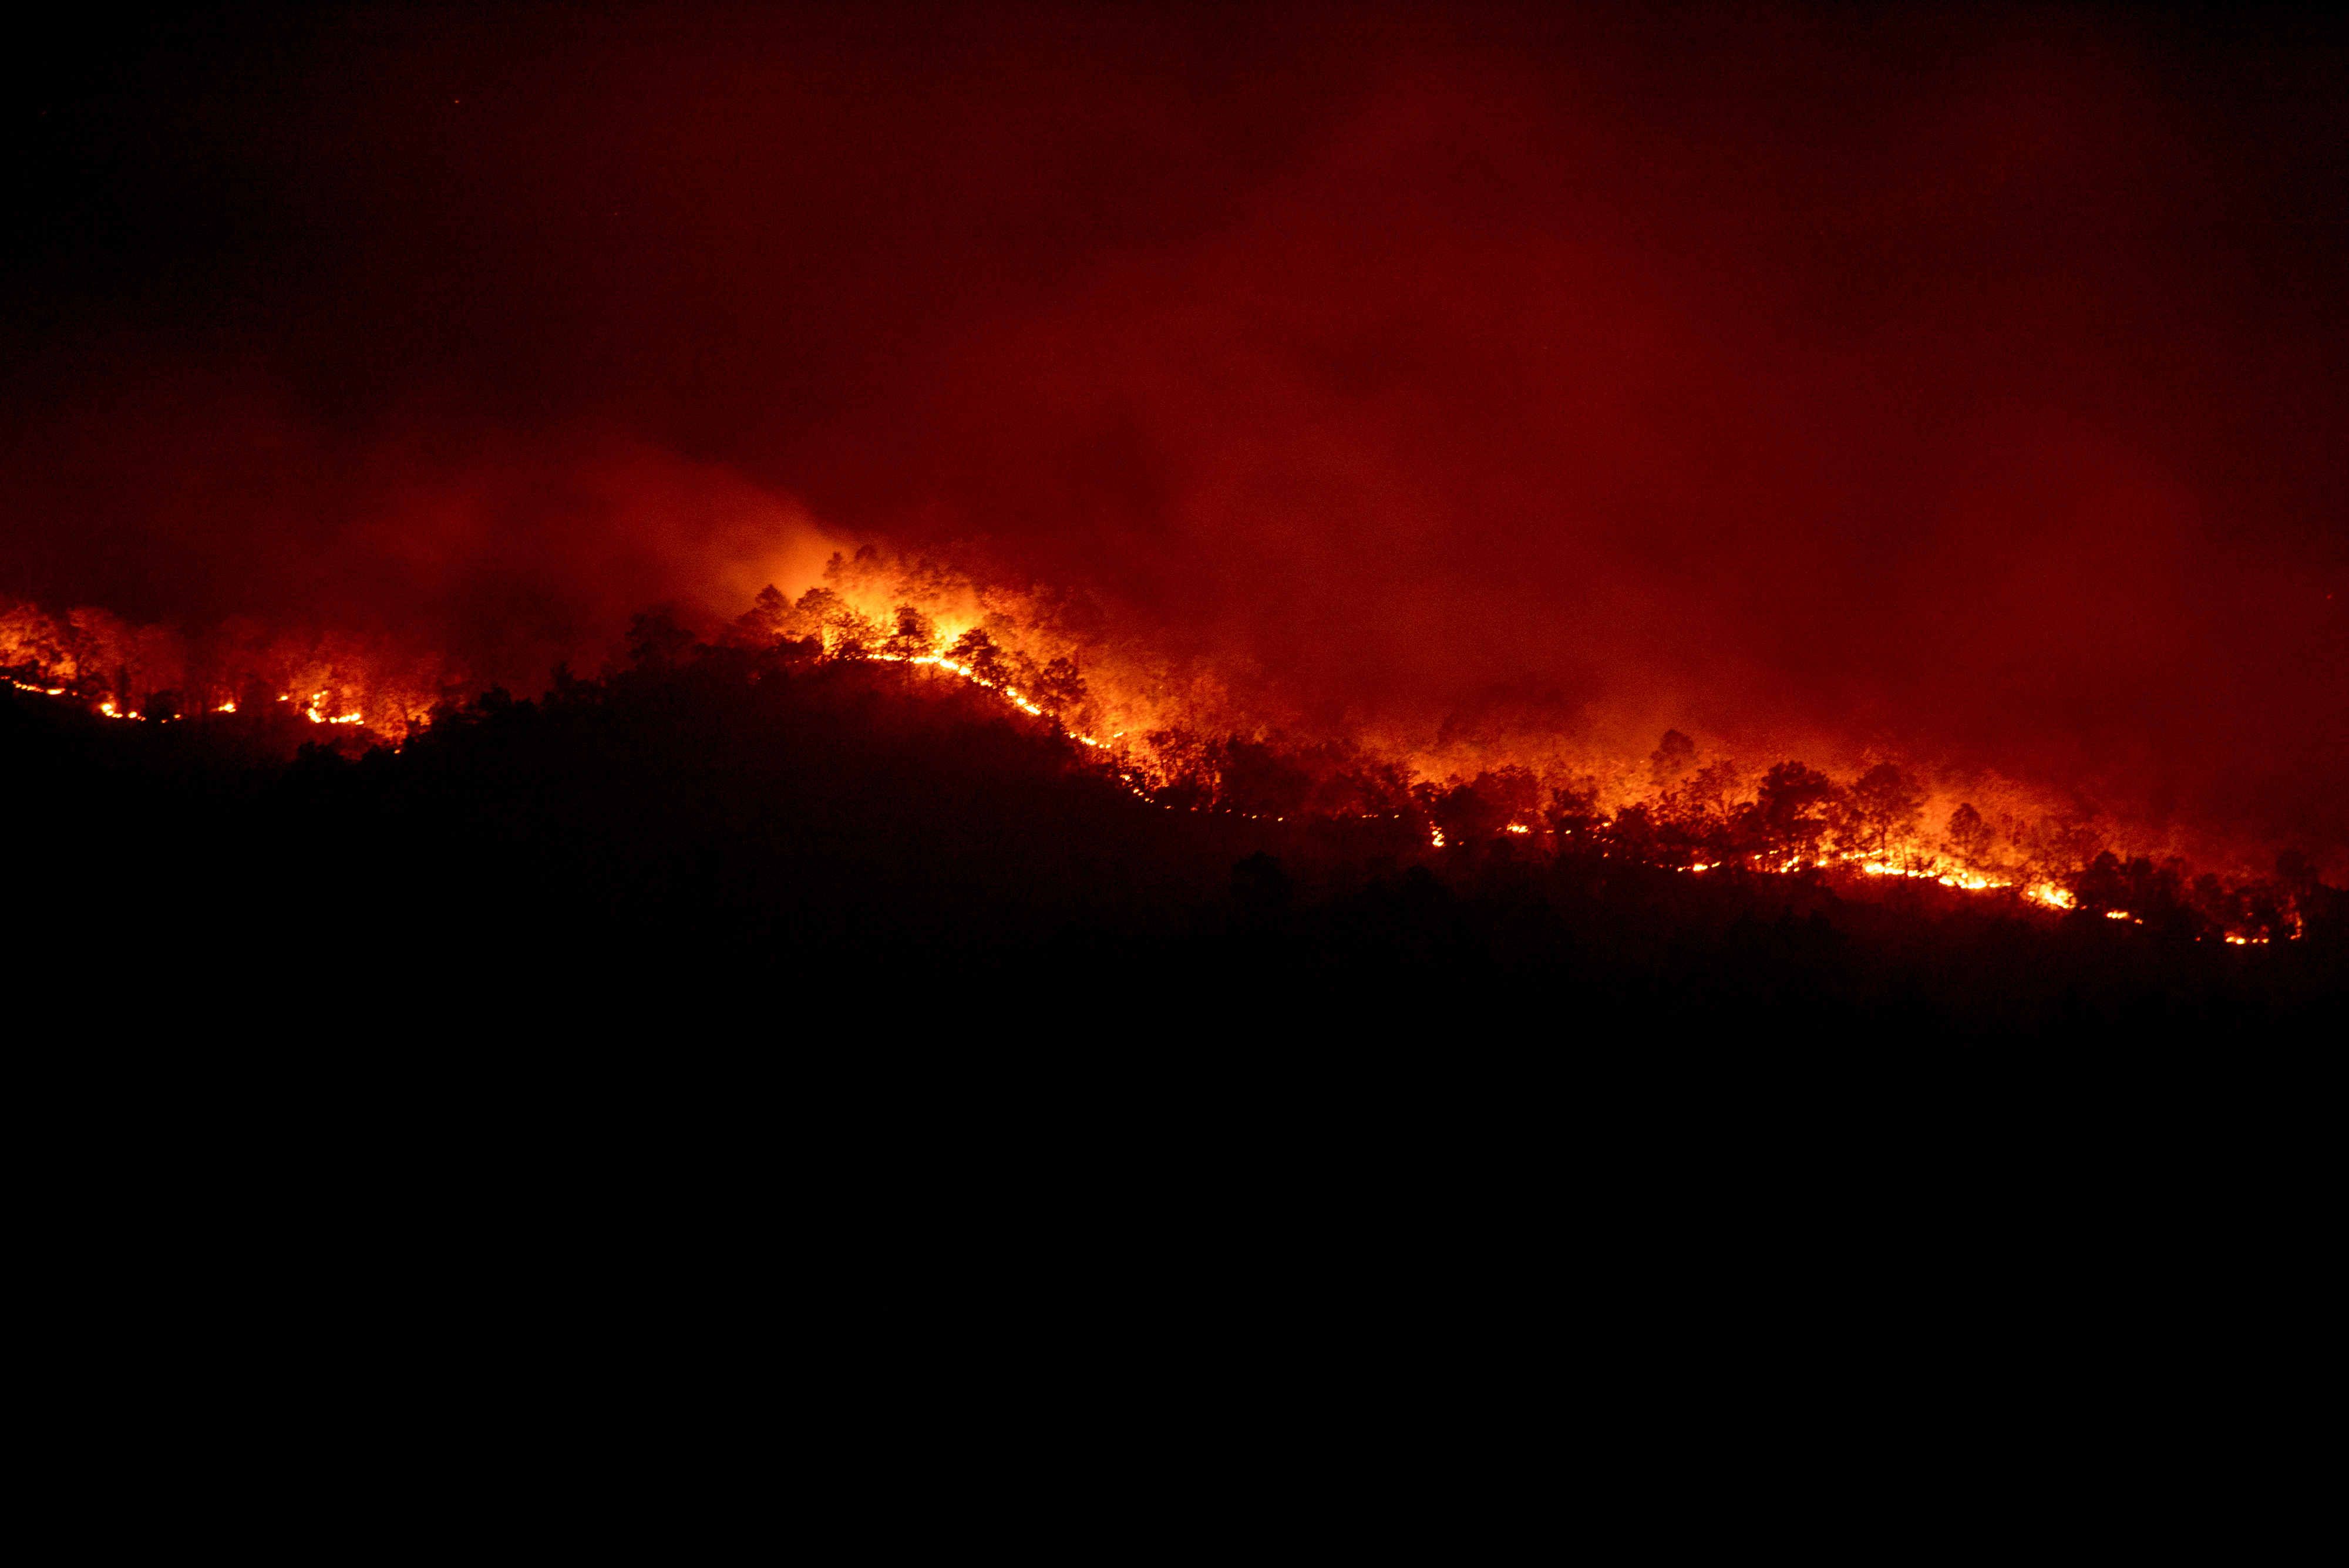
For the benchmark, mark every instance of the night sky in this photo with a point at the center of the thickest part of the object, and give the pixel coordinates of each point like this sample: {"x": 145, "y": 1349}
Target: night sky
{"x": 1965, "y": 379}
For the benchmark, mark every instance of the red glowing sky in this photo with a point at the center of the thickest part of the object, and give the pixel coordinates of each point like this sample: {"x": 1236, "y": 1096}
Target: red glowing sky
{"x": 1973, "y": 379}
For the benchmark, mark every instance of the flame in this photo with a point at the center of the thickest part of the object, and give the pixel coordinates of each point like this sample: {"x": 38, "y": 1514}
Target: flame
{"x": 120, "y": 669}
{"x": 1168, "y": 719}
{"x": 1970, "y": 881}
{"x": 1159, "y": 728}
{"x": 1010, "y": 694}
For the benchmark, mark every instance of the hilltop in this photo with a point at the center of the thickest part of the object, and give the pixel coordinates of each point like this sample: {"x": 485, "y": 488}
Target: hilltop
{"x": 716, "y": 826}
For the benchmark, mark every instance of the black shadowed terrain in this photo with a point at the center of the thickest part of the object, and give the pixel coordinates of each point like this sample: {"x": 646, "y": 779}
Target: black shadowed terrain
{"x": 750, "y": 989}
{"x": 595, "y": 1076}
{"x": 726, "y": 829}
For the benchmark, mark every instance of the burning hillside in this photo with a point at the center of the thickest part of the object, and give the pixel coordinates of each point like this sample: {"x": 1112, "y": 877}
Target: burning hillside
{"x": 781, "y": 811}
{"x": 1186, "y": 739}
{"x": 160, "y": 674}
{"x": 1900, "y": 456}
{"x": 875, "y": 659}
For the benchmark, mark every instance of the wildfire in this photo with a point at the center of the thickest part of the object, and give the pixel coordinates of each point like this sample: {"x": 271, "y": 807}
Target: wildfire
{"x": 157, "y": 673}
{"x": 108, "y": 708}
{"x": 310, "y": 710}
{"x": 1011, "y": 694}
{"x": 1175, "y": 737}
{"x": 1970, "y": 881}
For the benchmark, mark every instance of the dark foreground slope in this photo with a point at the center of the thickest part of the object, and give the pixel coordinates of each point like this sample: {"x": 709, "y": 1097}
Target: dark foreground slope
{"x": 742, "y": 826}
{"x": 691, "y": 1013}
{"x": 754, "y": 834}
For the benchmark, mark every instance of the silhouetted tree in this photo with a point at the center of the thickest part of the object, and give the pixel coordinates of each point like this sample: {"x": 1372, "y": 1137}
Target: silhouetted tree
{"x": 1971, "y": 838}
{"x": 1481, "y": 808}
{"x": 1702, "y": 813}
{"x": 1466, "y": 815}
{"x": 976, "y": 652}
{"x": 733, "y": 821}
{"x": 1881, "y": 806}
{"x": 1671, "y": 760}
{"x": 1256, "y": 779}
{"x": 2258, "y": 912}
{"x": 1186, "y": 769}
{"x": 1059, "y": 689}
{"x": 915, "y": 636}
{"x": 1513, "y": 792}
{"x": 1633, "y": 833}
{"x": 566, "y": 690}
{"x": 847, "y": 632}
{"x": 2100, "y": 885}
{"x": 1356, "y": 786}
{"x": 1785, "y": 812}
{"x": 768, "y": 618}
{"x": 1573, "y": 817}
{"x": 656, "y": 642}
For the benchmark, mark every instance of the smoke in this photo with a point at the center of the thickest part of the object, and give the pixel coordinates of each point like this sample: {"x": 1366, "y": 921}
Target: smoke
{"x": 1962, "y": 388}
{"x": 503, "y": 555}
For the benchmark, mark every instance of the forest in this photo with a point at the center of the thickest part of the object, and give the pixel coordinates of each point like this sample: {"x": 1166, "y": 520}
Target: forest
{"x": 875, "y": 827}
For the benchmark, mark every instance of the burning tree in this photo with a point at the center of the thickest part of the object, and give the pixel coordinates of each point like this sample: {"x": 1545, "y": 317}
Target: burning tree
{"x": 1788, "y": 817}
{"x": 769, "y": 618}
{"x": 1971, "y": 840}
{"x": 1882, "y": 806}
{"x": 976, "y": 652}
{"x": 915, "y": 636}
{"x": 1057, "y": 687}
{"x": 1670, "y": 760}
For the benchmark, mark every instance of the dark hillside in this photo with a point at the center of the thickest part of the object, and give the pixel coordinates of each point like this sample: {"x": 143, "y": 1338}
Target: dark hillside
{"x": 737, "y": 821}
{"x": 767, "y": 833}
{"x": 836, "y": 971}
